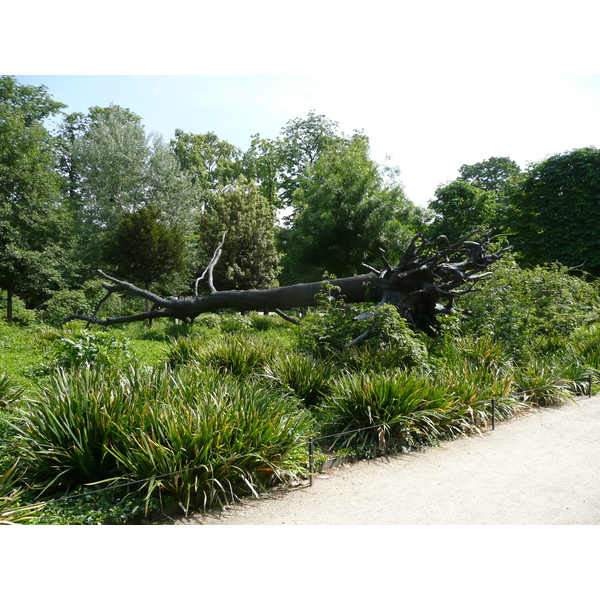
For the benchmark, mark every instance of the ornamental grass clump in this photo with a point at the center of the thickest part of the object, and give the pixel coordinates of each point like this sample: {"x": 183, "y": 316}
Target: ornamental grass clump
{"x": 221, "y": 439}
{"x": 183, "y": 350}
{"x": 193, "y": 435}
{"x": 306, "y": 377}
{"x": 10, "y": 391}
{"x": 400, "y": 410}
{"x": 238, "y": 355}
{"x": 65, "y": 432}
{"x": 538, "y": 382}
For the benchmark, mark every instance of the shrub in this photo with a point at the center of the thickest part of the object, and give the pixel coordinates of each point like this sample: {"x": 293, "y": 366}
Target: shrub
{"x": 518, "y": 306}
{"x": 391, "y": 343}
{"x": 64, "y": 303}
{"x": 105, "y": 348}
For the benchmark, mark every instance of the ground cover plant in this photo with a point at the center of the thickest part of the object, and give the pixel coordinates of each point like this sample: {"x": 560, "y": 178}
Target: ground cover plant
{"x": 140, "y": 417}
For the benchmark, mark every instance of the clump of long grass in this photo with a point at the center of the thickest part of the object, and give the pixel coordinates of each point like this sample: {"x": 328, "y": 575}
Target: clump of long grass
{"x": 538, "y": 382}
{"x": 194, "y": 435}
{"x": 307, "y": 378}
{"x": 222, "y": 438}
{"x": 10, "y": 391}
{"x": 237, "y": 355}
{"x": 11, "y": 510}
{"x": 65, "y": 431}
{"x": 183, "y": 350}
{"x": 400, "y": 410}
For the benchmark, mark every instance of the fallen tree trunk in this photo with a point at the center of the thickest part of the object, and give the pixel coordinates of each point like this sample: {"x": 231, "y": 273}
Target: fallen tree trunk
{"x": 424, "y": 278}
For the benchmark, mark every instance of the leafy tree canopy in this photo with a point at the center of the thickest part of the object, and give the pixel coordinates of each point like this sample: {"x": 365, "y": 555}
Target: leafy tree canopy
{"x": 460, "y": 208}
{"x": 32, "y": 219}
{"x": 210, "y": 162}
{"x": 492, "y": 174}
{"x": 345, "y": 212}
{"x": 249, "y": 259}
{"x": 554, "y": 211}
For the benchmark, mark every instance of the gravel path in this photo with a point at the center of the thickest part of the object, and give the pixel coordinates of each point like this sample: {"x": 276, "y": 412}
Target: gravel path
{"x": 540, "y": 469}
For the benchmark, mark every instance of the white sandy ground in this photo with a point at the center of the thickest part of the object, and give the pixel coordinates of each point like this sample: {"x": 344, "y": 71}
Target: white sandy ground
{"x": 542, "y": 468}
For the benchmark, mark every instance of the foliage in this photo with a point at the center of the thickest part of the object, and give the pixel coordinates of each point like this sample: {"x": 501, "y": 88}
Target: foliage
{"x": 9, "y": 390}
{"x": 300, "y": 145}
{"x": 249, "y": 259}
{"x": 215, "y": 437}
{"x": 518, "y": 306}
{"x": 145, "y": 249}
{"x": 344, "y": 211}
{"x": 103, "y": 348}
{"x": 460, "y": 208}
{"x": 33, "y": 221}
{"x": 238, "y": 355}
{"x": 554, "y": 211}
{"x": 328, "y": 332}
{"x": 492, "y": 175}
{"x": 12, "y": 511}
{"x": 113, "y": 169}
{"x": 400, "y": 410}
{"x": 539, "y": 383}
{"x": 306, "y": 377}
{"x": 210, "y": 163}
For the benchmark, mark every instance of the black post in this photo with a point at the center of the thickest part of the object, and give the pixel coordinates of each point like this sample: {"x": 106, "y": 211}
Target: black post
{"x": 310, "y": 460}
{"x": 493, "y": 413}
{"x": 590, "y": 389}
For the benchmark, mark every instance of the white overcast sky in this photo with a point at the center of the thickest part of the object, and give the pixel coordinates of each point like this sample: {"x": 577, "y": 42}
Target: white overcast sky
{"x": 434, "y": 85}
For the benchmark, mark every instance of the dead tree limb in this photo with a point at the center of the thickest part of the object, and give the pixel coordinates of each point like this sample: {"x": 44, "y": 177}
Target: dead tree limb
{"x": 428, "y": 273}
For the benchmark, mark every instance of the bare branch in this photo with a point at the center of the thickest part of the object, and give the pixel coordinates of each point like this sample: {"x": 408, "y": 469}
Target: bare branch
{"x": 211, "y": 265}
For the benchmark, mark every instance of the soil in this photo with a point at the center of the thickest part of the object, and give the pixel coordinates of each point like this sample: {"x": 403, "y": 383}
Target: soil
{"x": 542, "y": 468}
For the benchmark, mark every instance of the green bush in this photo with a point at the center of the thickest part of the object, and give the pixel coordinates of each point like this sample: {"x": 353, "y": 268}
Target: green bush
{"x": 329, "y": 332}
{"x": 64, "y": 303}
{"x": 519, "y": 306}
{"x": 104, "y": 348}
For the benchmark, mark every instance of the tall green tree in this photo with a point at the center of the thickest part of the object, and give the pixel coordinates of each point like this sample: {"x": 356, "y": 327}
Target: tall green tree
{"x": 211, "y": 163}
{"x": 33, "y": 223}
{"x": 300, "y": 144}
{"x": 459, "y": 208}
{"x": 110, "y": 158}
{"x": 262, "y": 163}
{"x": 345, "y": 212}
{"x": 145, "y": 249}
{"x": 492, "y": 174}
{"x": 249, "y": 258}
{"x": 112, "y": 168}
{"x": 554, "y": 211}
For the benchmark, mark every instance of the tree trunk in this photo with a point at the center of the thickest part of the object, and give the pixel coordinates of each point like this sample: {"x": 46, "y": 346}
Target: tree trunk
{"x": 416, "y": 286}
{"x": 9, "y": 306}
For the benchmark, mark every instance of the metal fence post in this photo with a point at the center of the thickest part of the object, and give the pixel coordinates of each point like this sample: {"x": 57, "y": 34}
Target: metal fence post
{"x": 493, "y": 413}
{"x": 310, "y": 460}
{"x": 590, "y": 388}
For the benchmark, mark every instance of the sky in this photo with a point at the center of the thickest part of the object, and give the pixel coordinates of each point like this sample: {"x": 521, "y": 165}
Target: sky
{"x": 434, "y": 85}
{"x": 427, "y": 125}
